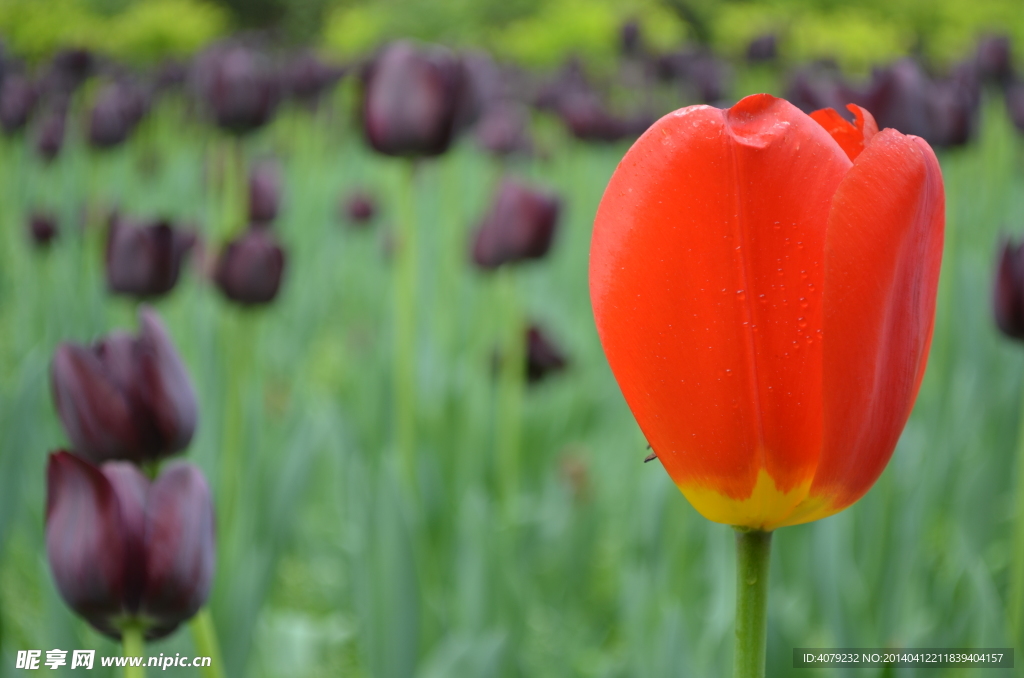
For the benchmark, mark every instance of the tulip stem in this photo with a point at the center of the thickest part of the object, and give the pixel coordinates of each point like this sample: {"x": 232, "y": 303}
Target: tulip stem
{"x": 204, "y": 636}
{"x": 1017, "y": 554}
{"x": 404, "y": 291}
{"x": 131, "y": 640}
{"x": 753, "y": 552}
{"x": 510, "y": 390}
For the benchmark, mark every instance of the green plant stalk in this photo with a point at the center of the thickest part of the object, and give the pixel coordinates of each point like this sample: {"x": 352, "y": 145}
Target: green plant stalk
{"x": 753, "y": 552}
{"x": 508, "y": 418}
{"x": 237, "y": 335}
{"x": 404, "y": 294}
{"x": 131, "y": 640}
{"x": 204, "y": 636}
{"x": 1017, "y": 554}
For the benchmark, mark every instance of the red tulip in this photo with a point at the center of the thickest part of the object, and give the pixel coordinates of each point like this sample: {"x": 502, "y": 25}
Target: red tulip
{"x": 124, "y": 550}
{"x": 764, "y": 289}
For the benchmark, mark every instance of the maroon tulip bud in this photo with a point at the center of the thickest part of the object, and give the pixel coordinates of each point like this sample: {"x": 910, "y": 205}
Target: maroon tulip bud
{"x": 708, "y": 77}
{"x": 821, "y": 85}
{"x": 630, "y": 39}
{"x": 250, "y": 268}
{"x": 1015, "y": 105}
{"x": 118, "y": 110}
{"x": 307, "y": 78}
{"x": 410, "y": 100}
{"x": 69, "y": 68}
{"x": 1008, "y": 294}
{"x": 144, "y": 259}
{"x": 125, "y": 397}
{"x": 899, "y": 98}
{"x": 519, "y": 225}
{"x": 124, "y": 551}
{"x": 588, "y": 119}
{"x": 359, "y": 208}
{"x": 238, "y": 86}
{"x": 50, "y": 135}
{"x": 502, "y": 130}
{"x": 542, "y": 355}
{"x": 763, "y": 48}
{"x": 264, "y": 192}
{"x": 42, "y": 228}
{"x": 17, "y": 99}
{"x": 994, "y": 59}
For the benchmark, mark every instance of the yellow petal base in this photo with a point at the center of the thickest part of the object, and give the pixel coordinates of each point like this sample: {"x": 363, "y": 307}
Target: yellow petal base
{"x": 766, "y": 508}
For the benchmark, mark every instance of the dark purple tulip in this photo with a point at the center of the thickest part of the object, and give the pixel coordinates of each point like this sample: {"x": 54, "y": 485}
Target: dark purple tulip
{"x": 125, "y": 397}
{"x": 708, "y": 76}
{"x": 570, "y": 80}
{"x": 144, "y": 259}
{"x": 307, "y": 78}
{"x": 68, "y": 69}
{"x": 821, "y": 85}
{"x": 520, "y": 225}
{"x": 1015, "y": 105}
{"x": 359, "y": 208}
{"x": 170, "y": 74}
{"x": 18, "y": 97}
{"x": 502, "y": 130}
{"x": 238, "y": 86}
{"x": 250, "y": 268}
{"x": 994, "y": 59}
{"x": 123, "y": 550}
{"x": 410, "y": 100}
{"x": 481, "y": 85}
{"x": 264, "y": 192}
{"x": 763, "y": 48}
{"x": 1008, "y": 294}
{"x": 952, "y": 114}
{"x": 899, "y": 98}
{"x": 42, "y": 228}
{"x": 119, "y": 108}
{"x": 631, "y": 39}
{"x": 542, "y": 355}
{"x": 589, "y": 120}
{"x": 50, "y": 134}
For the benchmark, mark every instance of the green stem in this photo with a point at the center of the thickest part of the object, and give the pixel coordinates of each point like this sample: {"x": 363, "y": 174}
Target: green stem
{"x": 753, "y": 552}
{"x": 204, "y": 635}
{"x": 404, "y": 368}
{"x": 238, "y": 337}
{"x": 508, "y": 421}
{"x": 1017, "y": 555}
{"x": 131, "y": 640}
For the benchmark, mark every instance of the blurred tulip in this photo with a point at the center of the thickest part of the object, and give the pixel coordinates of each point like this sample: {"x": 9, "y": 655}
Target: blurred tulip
{"x": 250, "y": 268}
{"x": 410, "y": 100}
{"x": 519, "y": 225}
{"x": 1015, "y": 105}
{"x": 994, "y": 59}
{"x": 764, "y": 285}
{"x": 1008, "y": 293}
{"x": 763, "y": 48}
{"x": 42, "y": 228}
{"x": 630, "y": 39}
{"x": 589, "y": 120}
{"x": 708, "y": 76}
{"x": 264, "y": 192}
{"x": 481, "y": 86}
{"x": 124, "y": 550}
{"x": 502, "y": 130}
{"x": 170, "y": 74}
{"x": 17, "y": 99}
{"x": 543, "y": 356}
{"x": 238, "y": 86}
{"x": 144, "y": 259}
{"x": 125, "y": 397}
{"x": 359, "y": 208}
{"x": 821, "y": 85}
{"x": 306, "y": 78}
{"x": 570, "y": 80}
{"x": 50, "y": 134}
{"x": 68, "y": 69}
{"x": 119, "y": 108}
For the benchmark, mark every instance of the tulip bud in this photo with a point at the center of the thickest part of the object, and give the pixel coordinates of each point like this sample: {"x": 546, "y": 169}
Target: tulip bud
{"x": 763, "y": 48}
{"x": 1008, "y": 293}
{"x": 50, "y": 135}
{"x": 42, "y": 228}
{"x": 17, "y": 99}
{"x": 264, "y": 192}
{"x": 238, "y": 86}
{"x": 249, "y": 269}
{"x": 126, "y": 551}
{"x": 118, "y": 109}
{"x": 994, "y": 59}
{"x": 144, "y": 260}
{"x": 502, "y": 130}
{"x": 307, "y": 78}
{"x": 410, "y": 100}
{"x": 359, "y": 208}
{"x": 1015, "y": 105}
{"x": 588, "y": 119}
{"x": 631, "y": 39}
{"x": 520, "y": 225}
{"x": 125, "y": 397}
{"x": 542, "y": 355}
{"x": 68, "y": 69}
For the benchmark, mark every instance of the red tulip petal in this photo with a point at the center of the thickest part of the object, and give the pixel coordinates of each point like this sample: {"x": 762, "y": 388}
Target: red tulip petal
{"x": 706, "y": 278}
{"x": 852, "y": 138}
{"x": 883, "y": 252}
{"x": 84, "y": 540}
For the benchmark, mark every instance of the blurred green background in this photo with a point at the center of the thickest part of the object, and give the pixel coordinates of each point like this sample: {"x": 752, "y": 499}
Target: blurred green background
{"x": 329, "y": 567}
